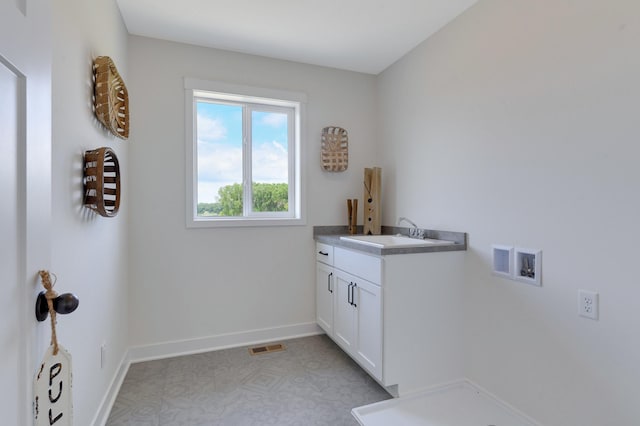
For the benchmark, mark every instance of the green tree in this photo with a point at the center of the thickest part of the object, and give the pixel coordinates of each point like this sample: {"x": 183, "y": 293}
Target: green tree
{"x": 230, "y": 200}
{"x": 267, "y": 197}
{"x": 209, "y": 209}
{"x": 270, "y": 197}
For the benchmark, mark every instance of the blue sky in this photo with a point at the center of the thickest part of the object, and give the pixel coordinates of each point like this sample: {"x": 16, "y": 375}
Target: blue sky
{"x": 220, "y": 147}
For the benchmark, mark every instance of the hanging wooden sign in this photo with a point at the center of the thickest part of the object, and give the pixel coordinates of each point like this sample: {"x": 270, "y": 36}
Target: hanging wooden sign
{"x": 53, "y": 404}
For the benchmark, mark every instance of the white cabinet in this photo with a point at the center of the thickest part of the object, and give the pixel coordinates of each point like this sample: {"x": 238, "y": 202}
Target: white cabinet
{"x": 368, "y": 297}
{"x": 344, "y": 313}
{"x": 324, "y": 296}
{"x": 358, "y": 320}
{"x": 324, "y": 287}
{"x": 356, "y": 304}
{"x": 398, "y": 316}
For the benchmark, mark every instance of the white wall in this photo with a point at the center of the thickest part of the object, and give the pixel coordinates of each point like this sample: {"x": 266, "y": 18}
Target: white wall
{"x": 194, "y": 283}
{"x": 518, "y": 124}
{"x": 89, "y": 251}
{"x": 514, "y": 123}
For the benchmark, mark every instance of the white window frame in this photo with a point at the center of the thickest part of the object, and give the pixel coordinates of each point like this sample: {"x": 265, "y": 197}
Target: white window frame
{"x": 249, "y": 97}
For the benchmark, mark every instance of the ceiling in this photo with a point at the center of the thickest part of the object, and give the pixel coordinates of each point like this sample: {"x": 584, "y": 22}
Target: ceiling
{"x": 357, "y": 35}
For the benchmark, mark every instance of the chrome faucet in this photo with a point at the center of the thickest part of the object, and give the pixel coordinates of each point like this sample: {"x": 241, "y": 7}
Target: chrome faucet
{"x": 406, "y": 219}
{"x": 414, "y": 232}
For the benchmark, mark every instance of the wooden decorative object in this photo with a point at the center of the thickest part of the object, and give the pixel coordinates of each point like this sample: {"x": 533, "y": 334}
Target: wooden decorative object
{"x": 102, "y": 181}
{"x": 335, "y": 149}
{"x": 372, "y": 201}
{"x": 352, "y": 216}
{"x": 111, "y": 97}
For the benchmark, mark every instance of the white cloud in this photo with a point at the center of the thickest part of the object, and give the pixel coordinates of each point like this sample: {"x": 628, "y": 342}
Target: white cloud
{"x": 220, "y": 165}
{"x": 208, "y": 191}
{"x": 270, "y": 163}
{"x": 210, "y": 129}
{"x": 274, "y": 119}
{"x": 219, "y": 162}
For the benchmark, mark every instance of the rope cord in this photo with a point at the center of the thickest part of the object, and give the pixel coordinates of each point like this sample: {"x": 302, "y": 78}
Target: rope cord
{"x": 50, "y": 295}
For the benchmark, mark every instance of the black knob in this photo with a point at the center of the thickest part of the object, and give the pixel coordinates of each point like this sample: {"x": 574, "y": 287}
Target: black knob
{"x": 66, "y": 303}
{"x": 63, "y": 304}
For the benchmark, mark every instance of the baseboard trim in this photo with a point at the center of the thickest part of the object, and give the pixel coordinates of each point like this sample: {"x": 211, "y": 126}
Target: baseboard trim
{"x": 221, "y": 341}
{"x": 109, "y": 398}
{"x": 503, "y": 403}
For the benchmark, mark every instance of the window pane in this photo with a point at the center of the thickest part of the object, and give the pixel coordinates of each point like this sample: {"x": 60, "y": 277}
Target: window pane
{"x": 219, "y": 133}
{"x": 270, "y": 161}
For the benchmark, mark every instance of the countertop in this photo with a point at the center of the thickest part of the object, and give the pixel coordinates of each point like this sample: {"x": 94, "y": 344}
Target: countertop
{"x": 331, "y": 235}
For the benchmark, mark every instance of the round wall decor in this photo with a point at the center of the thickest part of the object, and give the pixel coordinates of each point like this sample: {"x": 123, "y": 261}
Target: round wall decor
{"x": 102, "y": 181}
{"x": 111, "y": 97}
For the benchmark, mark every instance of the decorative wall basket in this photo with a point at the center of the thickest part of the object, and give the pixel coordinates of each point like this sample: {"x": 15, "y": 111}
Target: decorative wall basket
{"x": 111, "y": 97}
{"x": 335, "y": 149}
{"x": 102, "y": 181}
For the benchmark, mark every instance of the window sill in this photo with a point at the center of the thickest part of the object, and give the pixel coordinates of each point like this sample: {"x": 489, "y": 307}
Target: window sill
{"x": 243, "y": 222}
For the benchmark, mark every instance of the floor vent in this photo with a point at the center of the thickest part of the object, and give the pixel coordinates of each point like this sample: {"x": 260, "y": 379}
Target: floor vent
{"x": 257, "y": 350}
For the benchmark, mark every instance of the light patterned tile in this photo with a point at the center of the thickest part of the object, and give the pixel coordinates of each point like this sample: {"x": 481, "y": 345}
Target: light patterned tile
{"x": 311, "y": 383}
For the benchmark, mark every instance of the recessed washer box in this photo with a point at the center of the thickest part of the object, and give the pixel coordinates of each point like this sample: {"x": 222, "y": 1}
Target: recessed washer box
{"x": 528, "y": 266}
{"x": 502, "y": 260}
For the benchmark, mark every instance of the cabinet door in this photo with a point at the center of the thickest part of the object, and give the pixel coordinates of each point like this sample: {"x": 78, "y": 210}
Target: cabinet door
{"x": 368, "y": 347}
{"x": 324, "y": 297}
{"x": 344, "y": 314}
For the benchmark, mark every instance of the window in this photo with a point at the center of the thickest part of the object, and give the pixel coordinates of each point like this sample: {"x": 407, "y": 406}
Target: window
{"x": 243, "y": 155}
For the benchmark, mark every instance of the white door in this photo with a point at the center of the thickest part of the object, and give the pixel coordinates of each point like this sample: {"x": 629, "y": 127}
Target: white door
{"x": 369, "y": 327}
{"x": 324, "y": 297}
{"x": 25, "y": 196}
{"x": 344, "y": 314}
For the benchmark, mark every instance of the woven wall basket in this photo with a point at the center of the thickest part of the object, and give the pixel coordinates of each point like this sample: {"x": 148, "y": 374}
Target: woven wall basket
{"x": 111, "y": 97}
{"x": 102, "y": 181}
{"x": 335, "y": 149}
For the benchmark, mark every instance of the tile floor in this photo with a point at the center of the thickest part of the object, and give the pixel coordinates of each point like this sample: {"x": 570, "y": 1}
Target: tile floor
{"x": 312, "y": 382}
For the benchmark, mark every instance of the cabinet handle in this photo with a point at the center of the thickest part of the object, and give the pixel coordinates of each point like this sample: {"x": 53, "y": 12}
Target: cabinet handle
{"x": 349, "y": 294}
{"x": 329, "y": 282}
{"x": 353, "y": 299}
{"x": 323, "y": 253}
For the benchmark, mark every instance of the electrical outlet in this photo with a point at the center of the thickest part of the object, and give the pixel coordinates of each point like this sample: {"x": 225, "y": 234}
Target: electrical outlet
{"x": 103, "y": 354}
{"x": 588, "y": 304}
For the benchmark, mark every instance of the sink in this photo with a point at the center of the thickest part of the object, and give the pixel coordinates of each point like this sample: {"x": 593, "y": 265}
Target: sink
{"x": 393, "y": 241}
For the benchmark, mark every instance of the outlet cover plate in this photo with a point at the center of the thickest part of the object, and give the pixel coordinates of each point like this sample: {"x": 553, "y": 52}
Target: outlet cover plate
{"x": 103, "y": 355}
{"x": 588, "y": 304}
